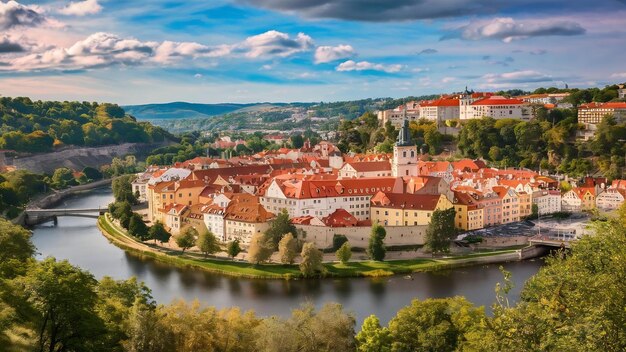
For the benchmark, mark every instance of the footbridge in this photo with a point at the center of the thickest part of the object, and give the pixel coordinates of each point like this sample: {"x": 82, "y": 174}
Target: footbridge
{"x": 37, "y": 216}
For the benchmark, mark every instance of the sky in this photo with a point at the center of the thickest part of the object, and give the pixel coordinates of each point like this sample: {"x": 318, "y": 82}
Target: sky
{"x": 212, "y": 51}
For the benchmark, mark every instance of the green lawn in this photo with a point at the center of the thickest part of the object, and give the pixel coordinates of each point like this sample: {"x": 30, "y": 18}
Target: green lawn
{"x": 279, "y": 271}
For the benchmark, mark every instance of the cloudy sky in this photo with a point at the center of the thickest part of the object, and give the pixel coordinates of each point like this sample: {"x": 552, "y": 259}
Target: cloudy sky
{"x": 210, "y": 51}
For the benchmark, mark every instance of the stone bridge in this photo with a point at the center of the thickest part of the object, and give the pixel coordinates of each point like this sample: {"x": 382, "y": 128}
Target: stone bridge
{"x": 38, "y": 216}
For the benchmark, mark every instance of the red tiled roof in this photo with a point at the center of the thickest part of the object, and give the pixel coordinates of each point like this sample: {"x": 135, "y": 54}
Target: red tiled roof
{"x": 440, "y": 102}
{"x": 497, "y": 100}
{"x": 366, "y": 166}
{"x": 306, "y": 189}
{"x": 610, "y": 105}
{"x": 340, "y": 218}
{"x": 405, "y": 201}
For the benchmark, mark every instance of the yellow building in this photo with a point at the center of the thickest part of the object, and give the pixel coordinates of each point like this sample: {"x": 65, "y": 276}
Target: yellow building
{"x": 525, "y": 204}
{"x": 185, "y": 192}
{"x": 469, "y": 216}
{"x": 587, "y": 196}
{"x": 394, "y": 209}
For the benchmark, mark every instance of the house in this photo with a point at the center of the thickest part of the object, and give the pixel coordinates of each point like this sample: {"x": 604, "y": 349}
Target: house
{"x": 525, "y": 204}
{"x": 213, "y": 217}
{"x": 491, "y": 204}
{"x": 547, "y": 201}
{"x": 469, "y": 213}
{"x": 610, "y": 199}
{"x": 587, "y": 196}
{"x": 171, "y": 215}
{"x": 245, "y": 217}
{"x": 185, "y": 192}
{"x": 593, "y": 113}
{"x": 571, "y": 202}
{"x": 395, "y": 209}
{"x": 510, "y": 204}
{"x": 365, "y": 169}
{"x": 193, "y": 217}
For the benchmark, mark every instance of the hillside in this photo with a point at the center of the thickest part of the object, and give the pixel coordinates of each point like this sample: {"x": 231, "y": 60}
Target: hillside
{"x": 182, "y": 110}
{"x": 44, "y": 126}
{"x": 183, "y": 117}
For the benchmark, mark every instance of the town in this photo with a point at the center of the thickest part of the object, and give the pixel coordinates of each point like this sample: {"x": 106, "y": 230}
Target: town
{"x": 327, "y": 193}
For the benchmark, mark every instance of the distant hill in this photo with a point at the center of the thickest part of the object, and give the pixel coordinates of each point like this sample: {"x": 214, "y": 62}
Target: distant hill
{"x": 182, "y": 110}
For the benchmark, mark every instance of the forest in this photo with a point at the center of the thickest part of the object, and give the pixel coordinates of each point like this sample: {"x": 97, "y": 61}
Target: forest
{"x": 575, "y": 303}
{"x": 41, "y": 126}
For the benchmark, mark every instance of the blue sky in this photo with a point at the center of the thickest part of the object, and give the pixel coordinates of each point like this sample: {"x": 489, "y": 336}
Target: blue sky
{"x": 133, "y": 52}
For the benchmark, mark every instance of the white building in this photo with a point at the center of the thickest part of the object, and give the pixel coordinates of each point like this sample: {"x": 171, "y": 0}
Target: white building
{"x": 496, "y": 107}
{"x": 214, "y": 220}
{"x": 548, "y": 202}
{"x": 571, "y": 202}
{"x": 610, "y": 199}
{"x": 321, "y": 198}
{"x": 365, "y": 169}
{"x": 440, "y": 110}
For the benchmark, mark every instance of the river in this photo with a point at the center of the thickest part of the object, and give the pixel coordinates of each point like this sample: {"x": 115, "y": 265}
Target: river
{"x": 79, "y": 241}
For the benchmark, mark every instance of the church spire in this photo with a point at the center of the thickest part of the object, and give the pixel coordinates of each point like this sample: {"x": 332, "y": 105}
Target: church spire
{"x": 404, "y": 137}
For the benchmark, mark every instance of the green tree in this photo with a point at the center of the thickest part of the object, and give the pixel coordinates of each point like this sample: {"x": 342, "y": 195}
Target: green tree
{"x": 123, "y": 190}
{"x": 207, "y": 243}
{"x": 297, "y": 141}
{"x": 62, "y": 177}
{"x": 187, "y": 238}
{"x": 330, "y": 329}
{"x": 92, "y": 173}
{"x": 373, "y": 337}
{"x": 311, "y": 263}
{"x": 116, "y": 301}
{"x": 434, "y": 325}
{"x": 280, "y": 226}
{"x": 441, "y": 231}
{"x": 158, "y": 232}
{"x": 344, "y": 253}
{"x": 138, "y": 228}
{"x": 260, "y": 249}
{"x": 233, "y": 248}
{"x": 15, "y": 249}
{"x": 338, "y": 241}
{"x": 119, "y": 209}
{"x": 287, "y": 249}
{"x": 63, "y": 300}
{"x": 376, "y": 247}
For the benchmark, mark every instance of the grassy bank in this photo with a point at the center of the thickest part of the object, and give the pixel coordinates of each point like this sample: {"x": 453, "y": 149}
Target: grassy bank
{"x": 279, "y": 271}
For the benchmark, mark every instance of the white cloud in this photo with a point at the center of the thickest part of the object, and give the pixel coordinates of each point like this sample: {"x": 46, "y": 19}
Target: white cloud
{"x": 619, "y": 75}
{"x": 351, "y": 65}
{"x": 14, "y": 14}
{"x": 514, "y": 79}
{"x": 273, "y": 43}
{"x": 325, "y": 54}
{"x": 448, "y": 79}
{"x": 105, "y": 49}
{"x": 81, "y": 8}
{"x": 198, "y": 75}
{"x": 507, "y": 29}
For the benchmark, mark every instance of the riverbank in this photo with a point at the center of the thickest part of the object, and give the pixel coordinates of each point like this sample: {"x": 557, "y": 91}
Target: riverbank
{"x": 48, "y": 200}
{"x": 121, "y": 239}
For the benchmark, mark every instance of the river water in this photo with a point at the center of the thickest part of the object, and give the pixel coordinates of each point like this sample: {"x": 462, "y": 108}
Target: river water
{"x": 79, "y": 241}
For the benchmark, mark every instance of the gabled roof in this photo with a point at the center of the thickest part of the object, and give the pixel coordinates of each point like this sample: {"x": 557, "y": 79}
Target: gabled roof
{"x": 340, "y": 218}
{"x": 405, "y": 201}
{"x": 368, "y": 166}
{"x": 609, "y": 105}
{"x": 441, "y": 102}
{"x": 498, "y": 100}
{"x": 308, "y": 189}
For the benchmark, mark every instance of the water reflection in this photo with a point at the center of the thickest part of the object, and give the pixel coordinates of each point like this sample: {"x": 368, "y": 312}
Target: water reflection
{"x": 79, "y": 241}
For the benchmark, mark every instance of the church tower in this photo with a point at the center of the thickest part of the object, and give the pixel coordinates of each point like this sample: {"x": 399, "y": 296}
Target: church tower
{"x": 404, "y": 154}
